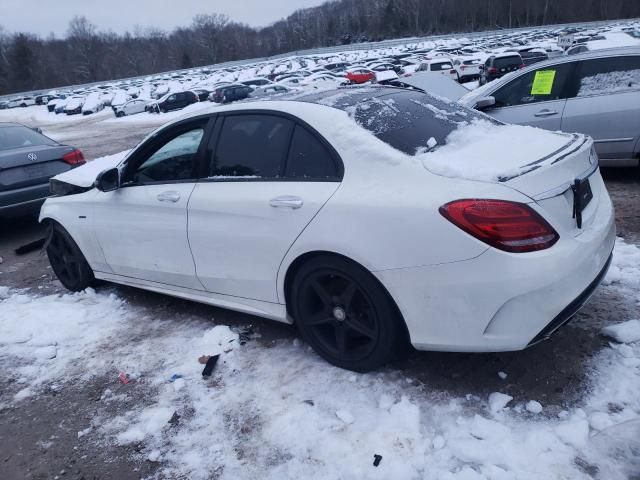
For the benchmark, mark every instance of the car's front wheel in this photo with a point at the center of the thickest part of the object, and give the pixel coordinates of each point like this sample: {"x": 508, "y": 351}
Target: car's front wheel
{"x": 345, "y": 314}
{"x": 67, "y": 261}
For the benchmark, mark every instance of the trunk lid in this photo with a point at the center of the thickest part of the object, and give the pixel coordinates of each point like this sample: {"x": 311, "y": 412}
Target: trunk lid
{"x": 31, "y": 165}
{"x": 551, "y": 183}
{"x": 541, "y": 165}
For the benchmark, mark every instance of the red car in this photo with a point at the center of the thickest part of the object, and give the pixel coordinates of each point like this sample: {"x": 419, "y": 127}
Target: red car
{"x": 361, "y": 76}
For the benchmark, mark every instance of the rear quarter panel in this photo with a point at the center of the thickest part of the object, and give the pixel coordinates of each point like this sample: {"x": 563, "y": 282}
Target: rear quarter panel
{"x": 613, "y": 120}
{"x": 391, "y": 220}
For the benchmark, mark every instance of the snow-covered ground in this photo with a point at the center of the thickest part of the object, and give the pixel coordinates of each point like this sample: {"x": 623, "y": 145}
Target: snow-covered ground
{"x": 282, "y": 412}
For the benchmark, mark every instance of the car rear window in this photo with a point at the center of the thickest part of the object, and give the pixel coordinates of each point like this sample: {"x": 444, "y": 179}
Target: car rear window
{"x": 436, "y": 67}
{"x": 507, "y": 61}
{"x": 408, "y": 120}
{"x": 18, "y": 137}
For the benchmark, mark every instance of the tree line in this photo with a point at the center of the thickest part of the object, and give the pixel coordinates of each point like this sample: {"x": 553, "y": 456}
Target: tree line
{"x": 85, "y": 54}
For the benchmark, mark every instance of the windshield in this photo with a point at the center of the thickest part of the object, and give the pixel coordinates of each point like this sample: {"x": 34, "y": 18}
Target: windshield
{"x": 18, "y": 137}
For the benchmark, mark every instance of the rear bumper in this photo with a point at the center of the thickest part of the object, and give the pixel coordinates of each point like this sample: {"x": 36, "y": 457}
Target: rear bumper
{"x": 23, "y": 201}
{"x": 570, "y": 310}
{"x": 500, "y": 301}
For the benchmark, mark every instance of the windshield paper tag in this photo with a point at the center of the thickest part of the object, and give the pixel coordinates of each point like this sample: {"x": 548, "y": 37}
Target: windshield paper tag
{"x": 543, "y": 82}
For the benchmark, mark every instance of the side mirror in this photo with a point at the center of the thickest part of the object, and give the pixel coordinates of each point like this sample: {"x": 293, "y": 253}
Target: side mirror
{"x": 38, "y": 129}
{"x": 485, "y": 102}
{"x": 108, "y": 180}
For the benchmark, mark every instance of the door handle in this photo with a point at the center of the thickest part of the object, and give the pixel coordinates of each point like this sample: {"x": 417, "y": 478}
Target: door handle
{"x": 170, "y": 196}
{"x": 545, "y": 113}
{"x": 286, "y": 201}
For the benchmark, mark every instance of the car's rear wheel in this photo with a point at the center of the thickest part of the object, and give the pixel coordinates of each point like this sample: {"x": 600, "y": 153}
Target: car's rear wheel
{"x": 67, "y": 261}
{"x": 345, "y": 314}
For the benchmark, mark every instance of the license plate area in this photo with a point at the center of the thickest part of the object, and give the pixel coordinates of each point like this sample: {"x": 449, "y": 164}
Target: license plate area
{"x": 35, "y": 171}
{"x": 582, "y": 196}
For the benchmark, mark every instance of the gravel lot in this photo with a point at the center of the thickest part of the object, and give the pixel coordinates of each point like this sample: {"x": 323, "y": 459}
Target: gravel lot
{"x": 39, "y": 440}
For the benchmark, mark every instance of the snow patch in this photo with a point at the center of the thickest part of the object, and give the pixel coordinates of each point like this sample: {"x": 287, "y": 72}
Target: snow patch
{"x": 625, "y": 332}
{"x": 498, "y": 401}
{"x": 476, "y": 150}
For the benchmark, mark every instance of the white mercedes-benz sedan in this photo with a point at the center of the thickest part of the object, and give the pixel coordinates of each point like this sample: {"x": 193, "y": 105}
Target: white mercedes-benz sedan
{"x": 368, "y": 216}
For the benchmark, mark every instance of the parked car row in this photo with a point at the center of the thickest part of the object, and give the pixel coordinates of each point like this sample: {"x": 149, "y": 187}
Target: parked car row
{"x": 485, "y": 58}
{"x": 532, "y": 77}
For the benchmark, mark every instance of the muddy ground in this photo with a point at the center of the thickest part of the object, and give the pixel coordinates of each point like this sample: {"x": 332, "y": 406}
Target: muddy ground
{"x": 38, "y": 439}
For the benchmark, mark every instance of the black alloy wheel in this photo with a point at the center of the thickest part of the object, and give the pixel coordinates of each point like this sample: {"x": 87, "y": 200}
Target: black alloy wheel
{"x": 345, "y": 314}
{"x": 67, "y": 261}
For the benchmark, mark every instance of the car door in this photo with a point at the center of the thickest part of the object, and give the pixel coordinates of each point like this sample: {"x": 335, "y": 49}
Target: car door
{"x": 606, "y": 104}
{"x": 535, "y": 98}
{"x": 138, "y": 106}
{"x": 142, "y": 226}
{"x": 266, "y": 178}
{"x": 170, "y": 103}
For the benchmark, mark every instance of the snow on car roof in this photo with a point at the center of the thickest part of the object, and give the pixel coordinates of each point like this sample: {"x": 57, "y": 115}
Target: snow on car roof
{"x": 507, "y": 55}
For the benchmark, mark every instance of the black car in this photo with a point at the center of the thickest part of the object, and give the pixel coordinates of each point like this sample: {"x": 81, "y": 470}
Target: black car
{"x": 531, "y": 55}
{"x": 202, "y": 94}
{"x": 174, "y": 101}
{"x": 28, "y": 160}
{"x": 497, "y": 66}
{"x": 230, "y": 93}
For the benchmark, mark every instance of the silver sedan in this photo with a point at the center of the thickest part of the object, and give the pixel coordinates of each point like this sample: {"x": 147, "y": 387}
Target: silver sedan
{"x": 596, "y": 93}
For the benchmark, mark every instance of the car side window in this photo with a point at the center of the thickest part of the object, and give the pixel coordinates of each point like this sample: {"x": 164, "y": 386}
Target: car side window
{"x": 540, "y": 85}
{"x": 309, "y": 158}
{"x": 608, "y": 75}
{"x": 172, "y": 161}
{"x": 251, "y": 145}
{"x": 171, "y": 98}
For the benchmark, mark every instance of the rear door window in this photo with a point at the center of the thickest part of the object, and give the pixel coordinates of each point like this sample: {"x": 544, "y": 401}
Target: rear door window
{"x": 309, "y": 159}
{"x": 543, "y": 85}
{"x": 608, "y": 75}
{"x": 251, "y": 146}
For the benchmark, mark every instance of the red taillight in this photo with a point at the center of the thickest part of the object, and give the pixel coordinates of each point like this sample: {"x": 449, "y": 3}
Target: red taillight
{"x": 509, "y": 226}
{"x": 493, "y": 70}
{"x": 522, "y": 66}
{"x": 74, "y": 158}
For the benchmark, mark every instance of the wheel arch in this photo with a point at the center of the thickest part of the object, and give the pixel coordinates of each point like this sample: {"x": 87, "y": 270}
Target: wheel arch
{"x": 301, "y": 259}
{"x": 87, "y": 245}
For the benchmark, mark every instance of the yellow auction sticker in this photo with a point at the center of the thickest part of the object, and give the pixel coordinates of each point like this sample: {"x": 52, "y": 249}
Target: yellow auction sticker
{"x": 543, "y": 82}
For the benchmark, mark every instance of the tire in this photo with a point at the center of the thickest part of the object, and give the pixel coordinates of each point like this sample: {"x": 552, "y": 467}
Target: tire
{"x": 67, "y": 261}
{"x": 345, "y": 314}
{"x": 120, "y": 114}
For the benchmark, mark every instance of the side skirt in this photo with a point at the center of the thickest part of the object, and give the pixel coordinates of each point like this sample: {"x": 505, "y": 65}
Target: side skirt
{"x": 272, "y": 311}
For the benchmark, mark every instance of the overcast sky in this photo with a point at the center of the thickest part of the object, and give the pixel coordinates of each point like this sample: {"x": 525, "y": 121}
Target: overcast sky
{"x": 46, "y": 16}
